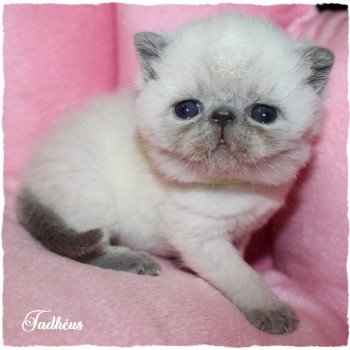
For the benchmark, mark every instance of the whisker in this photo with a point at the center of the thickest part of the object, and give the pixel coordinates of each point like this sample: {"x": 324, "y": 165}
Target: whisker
{"x": 211, "y": 175}
{"x": 195, "y": 169}
{"x": 191, "y": 159}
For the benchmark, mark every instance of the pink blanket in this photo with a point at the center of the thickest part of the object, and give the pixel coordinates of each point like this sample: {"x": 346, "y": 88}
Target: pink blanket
{"x": 58, "y": 56}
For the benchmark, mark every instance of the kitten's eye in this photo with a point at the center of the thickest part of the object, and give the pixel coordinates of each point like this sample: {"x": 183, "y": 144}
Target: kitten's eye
{"x": 187, "y": 109}
{"x": 263, "y": 114}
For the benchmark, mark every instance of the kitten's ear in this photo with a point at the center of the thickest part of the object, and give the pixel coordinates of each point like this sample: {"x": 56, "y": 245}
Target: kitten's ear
{"x": 149, "y": 47}
{"x": 320, "y": 61}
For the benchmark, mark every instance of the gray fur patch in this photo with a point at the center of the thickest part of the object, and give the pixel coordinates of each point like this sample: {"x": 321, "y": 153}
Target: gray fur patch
{"x": 275, "y": 321}
{"x": 125, "y": 259}
{"x": 149, "y": 47}
{"x": 321, "y": 60}
{"x": 46, "y": 226}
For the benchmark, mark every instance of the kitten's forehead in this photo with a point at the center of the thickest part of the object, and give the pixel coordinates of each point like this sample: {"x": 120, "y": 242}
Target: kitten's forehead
{"x": 231, "y": 33}
{"x": 228, "y": 56}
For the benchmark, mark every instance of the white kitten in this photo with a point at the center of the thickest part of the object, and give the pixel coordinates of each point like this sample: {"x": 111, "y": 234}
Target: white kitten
{"x": 191, "y": 165}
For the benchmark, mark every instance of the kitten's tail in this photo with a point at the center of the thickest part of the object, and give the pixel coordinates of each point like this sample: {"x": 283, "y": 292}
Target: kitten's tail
{"x": 47, "y": 227}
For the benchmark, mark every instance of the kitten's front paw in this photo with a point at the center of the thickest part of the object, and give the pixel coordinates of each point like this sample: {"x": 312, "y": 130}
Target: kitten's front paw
{"x": 275, "y": 320}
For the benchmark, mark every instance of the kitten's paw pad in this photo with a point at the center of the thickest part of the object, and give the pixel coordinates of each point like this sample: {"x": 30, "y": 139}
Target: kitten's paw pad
{"x": 277, "y": 321}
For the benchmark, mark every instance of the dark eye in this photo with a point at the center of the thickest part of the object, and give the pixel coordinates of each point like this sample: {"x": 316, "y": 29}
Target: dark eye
{"x": 187, "y": 109}
{"x": 263, "y": 114}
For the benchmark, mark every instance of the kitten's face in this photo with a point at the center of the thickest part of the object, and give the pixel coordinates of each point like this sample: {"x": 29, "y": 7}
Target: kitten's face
{"x": 229, "y": 98}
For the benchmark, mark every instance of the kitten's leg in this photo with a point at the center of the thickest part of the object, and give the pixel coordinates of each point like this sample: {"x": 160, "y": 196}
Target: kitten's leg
{"x": 217, "y": 261}
{"x": 85, "y": 246}
{"x": 48, "y": 228}
{"x": 124, "y": 259}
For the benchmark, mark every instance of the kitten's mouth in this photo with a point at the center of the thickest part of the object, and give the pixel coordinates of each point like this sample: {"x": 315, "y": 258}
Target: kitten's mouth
{"x": 222, "y": 146}
{"x": 222, "y": 143}
{"x": 225, "y": 152}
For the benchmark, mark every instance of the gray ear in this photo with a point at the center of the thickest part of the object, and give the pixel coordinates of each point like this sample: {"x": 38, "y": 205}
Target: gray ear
{"x": 149, "y": 47}
{"x": 320, "y": 60}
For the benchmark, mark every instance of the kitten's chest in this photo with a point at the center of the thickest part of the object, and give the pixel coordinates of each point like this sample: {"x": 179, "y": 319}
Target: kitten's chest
{"x": 235, "y": 210}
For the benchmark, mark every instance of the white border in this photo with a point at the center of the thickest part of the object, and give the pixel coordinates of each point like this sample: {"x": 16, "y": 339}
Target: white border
{"x": 156, "y": 2}
{"x": 175, "y": 2}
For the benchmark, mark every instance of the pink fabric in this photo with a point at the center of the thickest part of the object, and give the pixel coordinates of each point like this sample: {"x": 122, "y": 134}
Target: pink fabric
{"x": 58, "y": 56}
{"x": 55, "y": 58}
{"x": 311, "y": 244}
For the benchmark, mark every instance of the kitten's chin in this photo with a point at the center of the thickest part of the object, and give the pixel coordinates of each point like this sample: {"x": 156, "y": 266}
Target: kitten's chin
{"x": 179, "y": 169}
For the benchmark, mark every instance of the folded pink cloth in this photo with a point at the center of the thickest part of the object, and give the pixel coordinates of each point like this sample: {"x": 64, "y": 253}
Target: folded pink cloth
{"x": 58, "y": 56}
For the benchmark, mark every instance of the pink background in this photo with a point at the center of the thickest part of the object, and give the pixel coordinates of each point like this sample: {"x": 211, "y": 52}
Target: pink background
{"x": 56, "y": 57}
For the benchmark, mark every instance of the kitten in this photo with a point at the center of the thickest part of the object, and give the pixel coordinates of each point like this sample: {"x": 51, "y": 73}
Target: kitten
{"x": 190, "y": 165}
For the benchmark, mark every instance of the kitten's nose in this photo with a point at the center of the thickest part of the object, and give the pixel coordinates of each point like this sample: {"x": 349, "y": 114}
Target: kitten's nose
{"x": 222, "y": 117}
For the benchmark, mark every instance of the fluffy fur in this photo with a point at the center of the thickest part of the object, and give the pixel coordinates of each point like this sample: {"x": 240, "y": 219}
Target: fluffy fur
{"x": 129, "y": 168}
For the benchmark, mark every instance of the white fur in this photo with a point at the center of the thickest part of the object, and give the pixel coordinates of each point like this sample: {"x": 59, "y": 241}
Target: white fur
{"x": 96, "y": 171}
{"x": 92, "y": 172}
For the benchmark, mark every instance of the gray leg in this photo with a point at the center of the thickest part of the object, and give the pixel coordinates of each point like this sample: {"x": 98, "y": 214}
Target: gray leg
{"x": 124, "y": 259}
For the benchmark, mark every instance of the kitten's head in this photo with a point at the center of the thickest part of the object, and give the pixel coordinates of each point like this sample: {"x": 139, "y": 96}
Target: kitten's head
{"x": 229, "y": 97}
